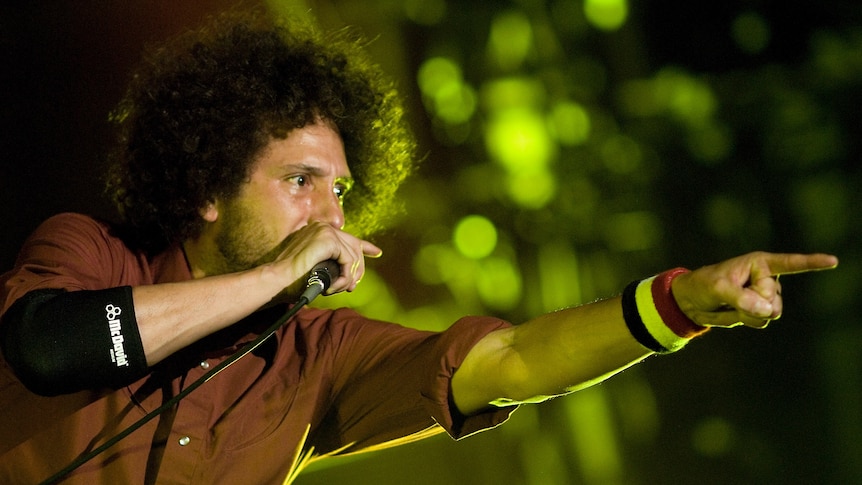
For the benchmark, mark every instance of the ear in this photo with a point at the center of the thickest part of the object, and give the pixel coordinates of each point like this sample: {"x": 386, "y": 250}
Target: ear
{"x": 210, "y": 211}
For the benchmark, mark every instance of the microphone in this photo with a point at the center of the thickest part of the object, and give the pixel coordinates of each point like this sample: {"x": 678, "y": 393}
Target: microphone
{"x": 320, "y": 278}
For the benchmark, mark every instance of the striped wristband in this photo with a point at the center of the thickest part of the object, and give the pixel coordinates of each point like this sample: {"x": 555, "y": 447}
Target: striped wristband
{"x": 653, "y": 316}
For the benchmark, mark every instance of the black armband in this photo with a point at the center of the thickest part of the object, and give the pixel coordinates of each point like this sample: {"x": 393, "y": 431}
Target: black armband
{"x": 59, "y": 342}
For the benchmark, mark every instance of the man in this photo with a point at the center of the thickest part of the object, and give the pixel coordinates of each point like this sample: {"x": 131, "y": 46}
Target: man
{"x": 245, "y": 150}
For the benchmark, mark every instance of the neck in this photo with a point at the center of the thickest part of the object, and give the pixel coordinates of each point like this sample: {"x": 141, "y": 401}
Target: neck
{"x": 202, "y": 258}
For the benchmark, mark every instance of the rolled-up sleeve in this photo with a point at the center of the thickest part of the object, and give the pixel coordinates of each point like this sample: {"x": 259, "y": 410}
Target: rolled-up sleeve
{"x": 452, "y": 346}
{"x": 391, "y": 384}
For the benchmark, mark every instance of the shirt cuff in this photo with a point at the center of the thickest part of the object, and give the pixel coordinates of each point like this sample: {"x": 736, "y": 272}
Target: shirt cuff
{"x": 454, "y": 345}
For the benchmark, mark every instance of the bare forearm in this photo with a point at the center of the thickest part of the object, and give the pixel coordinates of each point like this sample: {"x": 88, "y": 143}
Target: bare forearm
{"x": 571, "y": 349}
{"x": 174, "y": 315}
{"x": 550, "y": 355}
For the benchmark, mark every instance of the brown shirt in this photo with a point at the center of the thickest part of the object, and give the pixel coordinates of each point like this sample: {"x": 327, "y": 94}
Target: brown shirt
{"x": 330, "y": 382}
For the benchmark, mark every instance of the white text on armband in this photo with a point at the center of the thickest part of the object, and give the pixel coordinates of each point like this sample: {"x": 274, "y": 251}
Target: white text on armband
{"x": 118, "y": 352}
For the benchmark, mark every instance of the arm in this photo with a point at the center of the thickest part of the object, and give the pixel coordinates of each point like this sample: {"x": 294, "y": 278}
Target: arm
{"x": 574, "y": 348}
{"x": 172, "y": 316}
{"x": 59, "y": 341}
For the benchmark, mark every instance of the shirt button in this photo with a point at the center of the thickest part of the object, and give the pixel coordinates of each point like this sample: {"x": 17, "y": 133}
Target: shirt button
{"x": 205, "y": 365}
{"x": 184, "y": 440}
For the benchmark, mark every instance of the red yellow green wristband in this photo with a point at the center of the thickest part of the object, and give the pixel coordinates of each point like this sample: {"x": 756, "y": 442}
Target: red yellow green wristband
{"x": 653, "y": 316}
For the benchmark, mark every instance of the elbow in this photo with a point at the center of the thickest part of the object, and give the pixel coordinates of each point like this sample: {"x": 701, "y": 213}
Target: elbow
{"x": 55, "y": 345}
{"x": 35, "y": 362}
{"x": 521, "y": 386}
{"x": 38, "y": 358}
{"x": 39, "y": 378}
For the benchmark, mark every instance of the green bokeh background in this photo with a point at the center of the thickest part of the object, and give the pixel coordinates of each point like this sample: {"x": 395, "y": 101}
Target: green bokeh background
{"x": 569, "y": 147}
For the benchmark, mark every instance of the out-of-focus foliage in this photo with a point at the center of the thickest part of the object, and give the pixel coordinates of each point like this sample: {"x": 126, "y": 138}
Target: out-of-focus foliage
{"x": 568, "y": 153}
{"x": 570, "y": 147}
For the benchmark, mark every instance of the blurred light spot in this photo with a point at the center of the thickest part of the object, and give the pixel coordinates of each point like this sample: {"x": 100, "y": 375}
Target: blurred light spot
{"x": 372, "y": 297}
{"x": 531, "y": 189}
{"x": 670, "y": 92}
{"x": 513, "y": 92}
{"x": 801, "y": 132}
{"x": 437, "y": 72}
{"x": 595, "y": 438}
{"x": 606, "y": 15}
{"x": 441, "y": 263}
{"x": 543, "y": 460}
{"x": 621, "y": 154}
{"x": 725, "y": 216}
{"x": 547, "y": 48}
{"x": 430, "y": 318}
{"x": 429, "y": 261}
{"x": 570, "y": 123}
{"x": 750, "y": 32}
{"x": 427, "y": 205}
{"x": 840, "y": 357}
{"x": 639, "y": 415}
{"x": 688, "y": 99}
{"x": 838, "y": 57}
{"x": 444, "y": 91}
{"x": 568, "y": 16}
{"x": 510, "y": 39}
{"x": 519, "y": 139}
{"x": 638, "y": 97}
{"x": 452, "y": 134}
{"x": 823, "y": 210}
{"x": 480, "y": 182}
{"x": 475, "y": 237}
{"x": 425, "y": 12}
{"x": 810, "y": 144}
{"x": 713, "y": 437}
{"x": 455, "y": 102}
{"x": 632, "y": 231}
{"x": 738, "y": 220}
{"x": 580, "y": 197}
{"x": 559, "y": 278}
{"x": 710, "y": 142}
{"x": 499, "y": 283}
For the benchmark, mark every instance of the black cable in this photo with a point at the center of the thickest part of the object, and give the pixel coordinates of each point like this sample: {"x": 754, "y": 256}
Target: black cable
{"x": 319, "y": 280}
{"x": 303, "y": 300}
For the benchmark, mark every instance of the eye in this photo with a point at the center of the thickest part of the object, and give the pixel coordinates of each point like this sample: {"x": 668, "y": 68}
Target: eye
{"x": 342, "y": 187}
{"x": 298, "y": 180}
{"x": 340, "y": 191}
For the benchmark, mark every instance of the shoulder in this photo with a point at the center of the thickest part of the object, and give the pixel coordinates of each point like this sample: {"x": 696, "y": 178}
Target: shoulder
{"x": 75, "y": 219}
{"x": 71, "y": 251}
{"x": 76, "y": 227}
{"x": 70, "y": 224}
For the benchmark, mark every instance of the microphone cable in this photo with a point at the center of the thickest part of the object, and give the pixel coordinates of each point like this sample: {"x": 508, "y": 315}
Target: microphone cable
{"x": 318, "y": 281}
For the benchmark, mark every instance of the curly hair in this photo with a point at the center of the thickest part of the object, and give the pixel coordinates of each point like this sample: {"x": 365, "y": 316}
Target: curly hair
{"x": 202, "y": 107}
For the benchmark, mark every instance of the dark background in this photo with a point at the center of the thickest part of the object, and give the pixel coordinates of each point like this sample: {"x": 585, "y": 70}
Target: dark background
{"x": 776, "y": 406}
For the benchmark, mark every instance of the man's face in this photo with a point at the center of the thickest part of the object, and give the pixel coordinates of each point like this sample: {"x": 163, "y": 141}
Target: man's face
{"x": 296, "y": 180}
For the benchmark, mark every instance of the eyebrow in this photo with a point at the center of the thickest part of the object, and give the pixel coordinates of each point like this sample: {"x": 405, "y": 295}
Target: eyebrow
{"x": 301, "y": 167}
{"x": 316, "y": 171}
{"x": 312, "y": 170}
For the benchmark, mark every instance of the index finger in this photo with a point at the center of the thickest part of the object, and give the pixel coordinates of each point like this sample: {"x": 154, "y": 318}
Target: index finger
{"x": 780, "y": 264}
{"x": 370, "y": 250}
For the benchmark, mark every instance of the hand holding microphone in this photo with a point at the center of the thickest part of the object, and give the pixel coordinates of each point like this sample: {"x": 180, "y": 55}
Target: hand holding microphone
{"x": 341, "y": 259}
{"x": 321, "y": 276}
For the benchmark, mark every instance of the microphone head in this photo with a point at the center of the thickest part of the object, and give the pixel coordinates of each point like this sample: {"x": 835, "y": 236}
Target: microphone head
{"x": 320, "y": 278}
{"x": 327, "y": 271}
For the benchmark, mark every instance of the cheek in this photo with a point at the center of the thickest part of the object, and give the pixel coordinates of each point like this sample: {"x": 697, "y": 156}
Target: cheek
{"x": 288, "y": 211}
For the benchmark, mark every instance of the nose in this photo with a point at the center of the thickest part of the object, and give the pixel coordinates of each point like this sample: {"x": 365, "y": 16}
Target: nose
{"x": 328, "y": 208}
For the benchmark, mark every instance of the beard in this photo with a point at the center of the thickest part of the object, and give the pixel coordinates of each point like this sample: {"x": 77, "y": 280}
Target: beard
{"x": 244, "y": 241}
